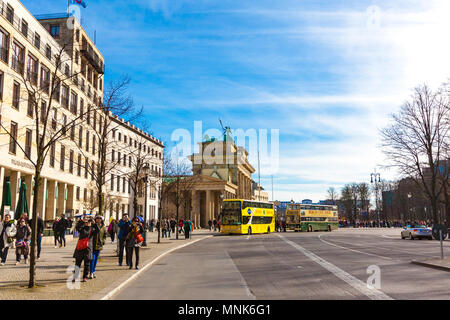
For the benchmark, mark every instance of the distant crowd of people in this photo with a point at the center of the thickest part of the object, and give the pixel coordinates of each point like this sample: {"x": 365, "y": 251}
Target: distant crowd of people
{"x": 383, "y": 224}
{"x": 92, "y": 234}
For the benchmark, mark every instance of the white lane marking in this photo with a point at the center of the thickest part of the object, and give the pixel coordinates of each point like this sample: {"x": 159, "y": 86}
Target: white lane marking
{"x": 354, "y": 250}
{"x": 242, "y": 280}
{"x": 248, "y": 237}
{"x": 373, "y": 294}
{"x": 386, "y": 236}
{"x": 148, "y": 265}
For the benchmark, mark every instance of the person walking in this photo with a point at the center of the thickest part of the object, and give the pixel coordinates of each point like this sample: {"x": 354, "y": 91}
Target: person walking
{"x": 55, "y": 231}
{"x": 218, "y": 225}
{"x": 181, "y": 226}
{"x": 187, "y": 229}
{"x": 8, "y": 231}
{"x": 62, "y": 229}
{"x": 83, "y": 250}
{"x": 134, "y": 241}
{"x": 164, "y": 228}
{"x": 210, "y": 224}
{"x": 152, "y": 225}
{"x": 123, "y": 225}
{"x": 39, "y": 233}
{"x": 112, "y": 229}
{"x": 173, "y": 225}
{"x": 23, "y": 236}
{"x": 98, "y": 241}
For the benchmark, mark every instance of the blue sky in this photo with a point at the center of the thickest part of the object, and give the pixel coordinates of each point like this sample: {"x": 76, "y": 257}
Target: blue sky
{"x": 325, "y": 73}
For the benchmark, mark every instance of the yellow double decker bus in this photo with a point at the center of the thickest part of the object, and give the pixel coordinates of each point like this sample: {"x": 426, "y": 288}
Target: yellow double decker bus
{"x": 311, "y": 217}
{"x": 246, "y": 217}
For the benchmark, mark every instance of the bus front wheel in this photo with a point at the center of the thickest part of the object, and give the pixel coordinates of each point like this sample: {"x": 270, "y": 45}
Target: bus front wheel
{"x": 249, "y": 230}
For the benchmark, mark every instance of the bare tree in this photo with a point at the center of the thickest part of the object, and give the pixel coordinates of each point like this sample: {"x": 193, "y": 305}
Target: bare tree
{"x": 116, "y": 103}
{"x": 414, "y": 142}
{"x": 43, "y": 105}
{"x": 332, "y": 194}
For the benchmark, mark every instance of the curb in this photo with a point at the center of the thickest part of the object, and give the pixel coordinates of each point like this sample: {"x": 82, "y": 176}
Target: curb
{"x": 148, "y": 265}
{"x": 429, "y": 265}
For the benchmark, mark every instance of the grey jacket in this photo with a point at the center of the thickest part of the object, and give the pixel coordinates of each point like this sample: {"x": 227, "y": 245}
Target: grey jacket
{"x": 10, "y": 232}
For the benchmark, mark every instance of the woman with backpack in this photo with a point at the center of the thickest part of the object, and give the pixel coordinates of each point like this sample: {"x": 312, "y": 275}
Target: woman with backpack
{"x": 23, "y": 236}
{"x": 83, "y": 250}
{"x": 7, "y": 233}
{"x": 134, "y": 241}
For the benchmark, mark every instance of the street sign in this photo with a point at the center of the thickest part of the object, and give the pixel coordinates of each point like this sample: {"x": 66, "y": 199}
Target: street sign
{"x": 436, "y": 229}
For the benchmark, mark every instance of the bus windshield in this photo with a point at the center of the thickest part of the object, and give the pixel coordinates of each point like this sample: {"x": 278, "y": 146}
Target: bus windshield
{"x": 231, "y": 212}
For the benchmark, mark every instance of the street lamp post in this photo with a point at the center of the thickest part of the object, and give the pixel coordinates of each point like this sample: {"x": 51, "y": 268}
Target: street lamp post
{"x": 145, "y": 170}
{"x": 375, "y": 181}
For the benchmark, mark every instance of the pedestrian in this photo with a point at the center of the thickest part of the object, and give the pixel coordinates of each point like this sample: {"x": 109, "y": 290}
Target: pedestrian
{"x": 23, "y": 236}
{"x": 98, "y": 241}
{"x": 173, "y": 225}
{"x": 210, "y": 224}
{"x": 8, "y": 231}
{"x": 112, "y": 229}
{"x": 134, "y": 241}
{"x": 152, "y": 225}
{"x": 218, "y": 225}
{"x": 164, "y": 228}
{"x": 123, "y": 225}
{"x": 62, "y": 226}
{"x": 187, "y": 229}
{"x": 39, "y": 233}
{"x": 215, "y": 224}
{"x": 55, "y": 231}
{"x": 181, "y": 225}
{"x": 83, "y": 250}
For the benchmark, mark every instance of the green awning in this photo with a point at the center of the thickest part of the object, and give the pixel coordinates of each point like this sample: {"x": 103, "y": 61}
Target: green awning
{"x": 22, "y": 205}
{"x": 6, "y": 200}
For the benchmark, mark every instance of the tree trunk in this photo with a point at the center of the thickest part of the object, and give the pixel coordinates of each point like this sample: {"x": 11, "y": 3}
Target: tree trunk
{"x": 101, "y": 201}
{"x": 32, "y": 279}
{"x": 177, "y": 223}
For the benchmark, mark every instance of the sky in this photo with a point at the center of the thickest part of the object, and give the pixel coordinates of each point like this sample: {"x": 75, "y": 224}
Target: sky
{"x": 325, "y": 74}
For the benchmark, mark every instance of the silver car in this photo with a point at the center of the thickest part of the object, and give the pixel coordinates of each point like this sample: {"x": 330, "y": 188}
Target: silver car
{"x": 416, "y": 231}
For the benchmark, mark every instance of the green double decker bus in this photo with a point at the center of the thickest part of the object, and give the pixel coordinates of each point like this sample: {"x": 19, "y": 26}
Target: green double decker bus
{"x": 311, "y": 217}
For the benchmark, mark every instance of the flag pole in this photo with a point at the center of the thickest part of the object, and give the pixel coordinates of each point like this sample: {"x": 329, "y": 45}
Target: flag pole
{"x": 68, "y": 5}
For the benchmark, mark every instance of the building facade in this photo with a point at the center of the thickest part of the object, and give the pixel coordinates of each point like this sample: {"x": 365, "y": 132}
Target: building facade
{"x": 29, "y": 51}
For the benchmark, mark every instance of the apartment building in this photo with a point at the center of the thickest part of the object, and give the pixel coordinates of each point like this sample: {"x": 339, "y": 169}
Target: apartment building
{"x": 31, "y": 49}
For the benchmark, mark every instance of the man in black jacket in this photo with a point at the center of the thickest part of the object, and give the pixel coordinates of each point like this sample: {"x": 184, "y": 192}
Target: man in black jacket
{"x": 62, "y": 227}
{"x": 39, "y": 233}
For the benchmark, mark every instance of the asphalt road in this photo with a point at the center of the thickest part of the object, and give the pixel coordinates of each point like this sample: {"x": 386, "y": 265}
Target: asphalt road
{"x": 317, "y": 265}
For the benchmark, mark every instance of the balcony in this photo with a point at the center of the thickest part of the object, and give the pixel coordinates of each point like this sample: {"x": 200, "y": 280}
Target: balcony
{"x": 93, "y": 59}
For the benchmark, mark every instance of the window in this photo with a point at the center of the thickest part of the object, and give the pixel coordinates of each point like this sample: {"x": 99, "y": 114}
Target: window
{"x": 43, "y": 111}
{"x": 113, "y": 156}
{"x": 93, "y": 144}
{"x": 13, "y": 137}
{"x": 32, "y": 70}
{"x": 80, "y": 137}
{"x": 24, "y": 28}
{"x": 67, "y": 70}
{"x": 72, "y": 132}
{"x": 129, "y": 161}
{"x": 54, "y": 118}
{"x": 85, "y": 194}
{"x": 79, "y": 165}
{"x": 118, "y": 157}
{"x": 74, "y": 103}
{"x": 30, "y": 105}
{"x": 4, "y": 46}
{"x": 28, "y": 137}
{"x": 123, "y": 185}
{"x": 88, "y": 119}
{"x": 81, "y": 108}
{"x": 16, "y": 95}
{"x": 62, "y": 157}
{"x": 112, "y": 182}
{"x": 10, "y": 14}
{"x": 65, "y": 96}
{"x": 118, "y": 183}
{"x": 120, "y": 136}
{"x": 1, "y": 85}
{"x": 18, "y": 57}
{"x": 86, "y": 167}
{"x": 52, "y": 155}
{"x": 77, "y": 35}
{"x": 95, "y": 121}
{"x": 125, "y": 139}
{"x": 54, "y": 30}
{"x": 77, "y": 55}
{"x": 37, "y": 41}
{"x": 87, "y": 141}
{"x": 78, "y": 193}
{"x": 45, "y": 79}
{"x": 71, "y": 161}
{"x": 48, "y": 52}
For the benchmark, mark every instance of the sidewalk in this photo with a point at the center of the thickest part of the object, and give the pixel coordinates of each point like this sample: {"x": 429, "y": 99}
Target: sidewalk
{"x": 435, "y": 263}
{"x": 52, "y": 270}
